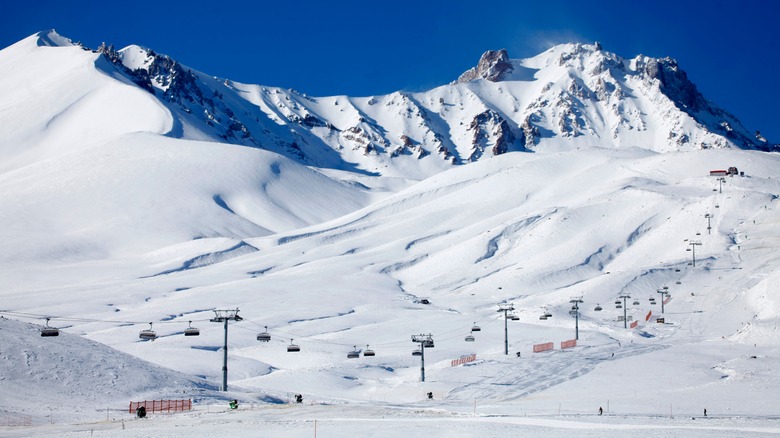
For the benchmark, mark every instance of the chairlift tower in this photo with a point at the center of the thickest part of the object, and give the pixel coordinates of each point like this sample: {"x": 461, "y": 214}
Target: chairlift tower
{"x": 664, "y": 293}
{"x": 506, "y": 308}
{"x": 576, "y": 308}
{"x": 709, "y": 225}
{"x": 224, "y": 316}
{"x": 692, "y": 248}
{"x": 624, "y": 297}
{"x": 423, "y": 340}
{"x": 721, "y": 180}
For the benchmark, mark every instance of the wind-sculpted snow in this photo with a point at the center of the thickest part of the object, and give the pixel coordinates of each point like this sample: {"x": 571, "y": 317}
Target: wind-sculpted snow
{"x": 200, "y": 261}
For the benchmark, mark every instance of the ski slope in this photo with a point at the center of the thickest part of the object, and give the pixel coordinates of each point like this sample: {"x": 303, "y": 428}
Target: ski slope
{"x": 115, "y": 219}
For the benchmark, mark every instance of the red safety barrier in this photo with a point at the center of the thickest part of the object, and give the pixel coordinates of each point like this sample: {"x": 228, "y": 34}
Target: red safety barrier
{"x": 649, "y": 314}
{"x": 538, "y": 348}
{"x": 464, "y": 359}
{"x": 162, "y": 405}
{"x": 568, "y": 344}
{"x": 634, "y": 324}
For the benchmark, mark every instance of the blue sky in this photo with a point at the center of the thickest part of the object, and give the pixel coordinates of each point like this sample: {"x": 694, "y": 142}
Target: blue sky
{"x": 729, "y": 49}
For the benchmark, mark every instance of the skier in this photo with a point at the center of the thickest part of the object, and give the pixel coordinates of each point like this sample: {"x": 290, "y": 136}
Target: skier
{"x": 233, "y": 404}
{"x": 705, "y": 412}
{"x": 601, "y": 411}
{"x": 140, "y": 411}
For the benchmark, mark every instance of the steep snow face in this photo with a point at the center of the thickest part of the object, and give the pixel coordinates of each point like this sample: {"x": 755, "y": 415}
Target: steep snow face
{"x": 61, "y": 99}
{"x": 571, "y": 96}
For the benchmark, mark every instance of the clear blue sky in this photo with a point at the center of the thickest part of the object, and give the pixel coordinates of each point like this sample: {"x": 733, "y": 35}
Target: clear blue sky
{"x": 728, "y": 48}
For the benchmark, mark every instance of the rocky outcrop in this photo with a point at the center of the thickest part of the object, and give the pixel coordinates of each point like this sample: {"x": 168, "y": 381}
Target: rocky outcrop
{"x": 489, "y": 130}
{"x": 494, "y": 65}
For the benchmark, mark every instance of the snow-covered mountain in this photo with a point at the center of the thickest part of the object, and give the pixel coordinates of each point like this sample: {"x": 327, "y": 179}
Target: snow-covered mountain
{"x": 572, "y": 95}
{"x": 135, "y": 190}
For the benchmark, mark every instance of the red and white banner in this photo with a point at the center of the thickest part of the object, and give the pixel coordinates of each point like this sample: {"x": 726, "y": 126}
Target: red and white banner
{"x": 464, "y": 359}
{"x": 649, "y": 314}
{"x": 568, "y": 344}
{"x": 634, "y": 324}
{"x": 538, "y": 348}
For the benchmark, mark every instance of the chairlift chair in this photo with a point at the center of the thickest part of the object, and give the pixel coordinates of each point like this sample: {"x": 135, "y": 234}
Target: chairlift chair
{"x": 293, "y": 348}
{"x": 547, "y": 314}
{"x": 470, "y": 338}
{"x": 264, "y": 336}
{"x": 417, "y": 353}
{"x": 598, "y": 308}
{"x": 636, "y": 302}
{"x": 368, "y": 352}
{"x": 191, "y": 331}
{"x": 619, "y": 306}
{"x": 354, "y": 354}
{"x": 618, "y": 302}
{"x": 148, "y": 335}
{"x": 428, "y": 343}
{"x": 543, "y": 317}
{"x": 475, "y": 328}
{"x": 515, "y": 318}
{"x": 47, "y": 331}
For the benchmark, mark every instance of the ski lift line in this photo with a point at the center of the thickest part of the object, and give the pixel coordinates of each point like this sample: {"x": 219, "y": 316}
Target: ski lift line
{"x": 109, "y": 321}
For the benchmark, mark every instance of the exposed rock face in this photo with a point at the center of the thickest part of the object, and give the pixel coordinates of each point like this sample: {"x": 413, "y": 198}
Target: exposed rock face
{"x": 164, "y": 77}
{"x": 489, "y": 127}
{"x": 494, "y": 65}
{"x": 675, "y": 83}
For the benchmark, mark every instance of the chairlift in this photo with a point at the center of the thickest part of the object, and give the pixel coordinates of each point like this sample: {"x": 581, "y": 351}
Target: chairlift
{"x": 293, "y": 348}
{"x": 470, "y": 338}
{"x": 636, "y": 302}
{"x": 354, "y": 354}
{"x": 573, "y": 312}
{"x": 543, "y": 317}
{"x": 428, "y": 343}
{"x": 547, "y": 314}
{"x": 618, "y": 302}
{"x": 515, "y": 318}
{"x": 264, "y": 336}
{"x": 417, "y": 353}
{"x": 619, "y": 306}
{"x": 191, "y": 331}
{"x": 678, "y": 282}
{"x": 598, "y": 308}
{"x": 368, "y": 352}
{"x": 47, "y": 331}
{"x": 148, "y": 335}
{"x": 475, "y": 328}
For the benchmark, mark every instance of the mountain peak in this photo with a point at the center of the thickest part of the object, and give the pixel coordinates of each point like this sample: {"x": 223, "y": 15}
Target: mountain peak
{"x": 493, "y": 65}
{"x": 51, "y": 38}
